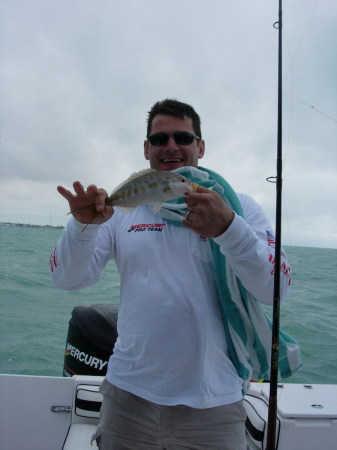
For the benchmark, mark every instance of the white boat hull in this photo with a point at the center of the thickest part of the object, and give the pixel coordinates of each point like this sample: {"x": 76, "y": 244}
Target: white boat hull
{"x": 307, "y": 415}
{"x": 26, "y": 419}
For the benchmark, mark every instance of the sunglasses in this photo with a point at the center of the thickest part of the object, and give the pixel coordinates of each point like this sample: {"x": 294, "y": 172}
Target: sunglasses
{"x": 180, "y": 137}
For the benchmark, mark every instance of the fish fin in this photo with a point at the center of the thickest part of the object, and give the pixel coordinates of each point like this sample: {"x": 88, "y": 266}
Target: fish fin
{"x": 156, "y": 207}
{"x": 133, "y": 177}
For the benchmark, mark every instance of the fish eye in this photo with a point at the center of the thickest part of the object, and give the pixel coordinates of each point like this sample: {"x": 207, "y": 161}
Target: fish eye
{"x": 183, "y": 180}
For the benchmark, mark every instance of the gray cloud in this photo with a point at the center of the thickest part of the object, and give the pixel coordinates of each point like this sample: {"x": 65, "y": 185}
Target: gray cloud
{"x": 78, "y": 78}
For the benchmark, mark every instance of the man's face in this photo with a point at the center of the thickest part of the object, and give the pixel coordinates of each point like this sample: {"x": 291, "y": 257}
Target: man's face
{"x": 171, "y": 155}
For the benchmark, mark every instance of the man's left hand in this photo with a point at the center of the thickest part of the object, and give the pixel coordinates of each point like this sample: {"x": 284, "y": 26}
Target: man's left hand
{"x": 207, "y": 213}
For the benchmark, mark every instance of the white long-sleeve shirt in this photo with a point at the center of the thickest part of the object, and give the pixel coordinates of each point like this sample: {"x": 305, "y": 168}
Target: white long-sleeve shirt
{"x": 171, "y": 347}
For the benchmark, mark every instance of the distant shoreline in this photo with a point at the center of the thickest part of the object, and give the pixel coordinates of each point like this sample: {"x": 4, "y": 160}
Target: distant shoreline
{"x": 28, "y": 225}
{"x": 61, "y": 227}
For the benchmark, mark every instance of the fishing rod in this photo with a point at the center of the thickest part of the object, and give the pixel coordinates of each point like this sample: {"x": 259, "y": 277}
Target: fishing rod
{"x": 272, "y": 408}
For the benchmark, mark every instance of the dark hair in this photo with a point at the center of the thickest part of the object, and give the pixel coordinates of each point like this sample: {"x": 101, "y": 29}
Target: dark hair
{"x": 172, "y": 107}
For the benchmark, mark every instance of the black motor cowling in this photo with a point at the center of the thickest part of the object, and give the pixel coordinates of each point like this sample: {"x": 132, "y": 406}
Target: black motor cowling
{"x": 91, "y": 338}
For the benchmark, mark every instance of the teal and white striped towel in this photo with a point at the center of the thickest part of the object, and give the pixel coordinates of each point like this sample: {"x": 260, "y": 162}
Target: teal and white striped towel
{"x": 248, "y": 328}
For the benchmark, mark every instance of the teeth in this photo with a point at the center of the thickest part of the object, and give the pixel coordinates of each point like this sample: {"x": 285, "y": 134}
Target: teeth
{"x": 171, "y": 160}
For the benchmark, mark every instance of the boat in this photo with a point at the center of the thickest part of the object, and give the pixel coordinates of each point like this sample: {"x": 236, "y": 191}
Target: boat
{"x": 54, "y": 413}
{"x": 62, "y": 413}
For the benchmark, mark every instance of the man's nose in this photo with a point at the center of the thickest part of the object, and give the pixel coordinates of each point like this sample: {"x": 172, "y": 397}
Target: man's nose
{"x": 171, "y": 143}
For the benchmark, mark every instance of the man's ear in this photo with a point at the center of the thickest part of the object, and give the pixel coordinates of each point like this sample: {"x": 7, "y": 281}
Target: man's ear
{"x": 146, "y": 150}
{"x": 201, "y": 148}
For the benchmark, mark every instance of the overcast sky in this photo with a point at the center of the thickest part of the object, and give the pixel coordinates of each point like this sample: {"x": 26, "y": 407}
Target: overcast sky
{"x": 79, "y": 76}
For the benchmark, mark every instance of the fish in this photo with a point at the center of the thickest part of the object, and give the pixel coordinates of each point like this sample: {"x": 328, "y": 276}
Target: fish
{"x": 148, "y": 186}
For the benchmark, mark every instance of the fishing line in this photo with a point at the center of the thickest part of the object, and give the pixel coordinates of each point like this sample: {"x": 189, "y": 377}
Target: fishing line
{"x": 290, "y": 68}
{"x": 301, "y": 38}
{"x": 292, "y": 298}
{"x": 290, "y": 120}
{"x": 312, "y": 107}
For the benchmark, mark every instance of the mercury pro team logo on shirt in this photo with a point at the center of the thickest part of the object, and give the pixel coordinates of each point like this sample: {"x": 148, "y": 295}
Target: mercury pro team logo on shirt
{"x": 147, "y": 227}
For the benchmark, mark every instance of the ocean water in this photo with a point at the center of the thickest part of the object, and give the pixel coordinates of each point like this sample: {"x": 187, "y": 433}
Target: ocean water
{"x": 34, "y": 315}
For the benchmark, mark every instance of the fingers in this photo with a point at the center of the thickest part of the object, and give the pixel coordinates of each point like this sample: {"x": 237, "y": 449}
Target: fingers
{"x": 202, "y": 202}
{"x": 92, "y": 194}
{"x": 191, "y": 216}
{"x": 200, "y": 190}
{"x": 78, "y": 188}
{"x": 87, "y": 206}
{"x": 203, "y": 190}
{"x": 99, "y": 195}
{"x": 200, "y": 195}
{"x": 65, "y": 193}
{"x": 68, "y": 195}
{"x": 96, "y": 195}
{"x": 207, "y": 214}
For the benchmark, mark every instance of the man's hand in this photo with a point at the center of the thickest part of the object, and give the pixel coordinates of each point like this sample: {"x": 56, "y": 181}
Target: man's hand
{"x": 207, "y": 214}
{"x": 87, "y": 206}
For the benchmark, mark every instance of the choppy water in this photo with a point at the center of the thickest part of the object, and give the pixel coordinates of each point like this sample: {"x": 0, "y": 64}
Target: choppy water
{"x": 34, "y": 315}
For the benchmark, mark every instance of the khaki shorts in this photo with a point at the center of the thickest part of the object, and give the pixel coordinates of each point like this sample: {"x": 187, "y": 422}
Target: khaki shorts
{"x": 130, "y": 422}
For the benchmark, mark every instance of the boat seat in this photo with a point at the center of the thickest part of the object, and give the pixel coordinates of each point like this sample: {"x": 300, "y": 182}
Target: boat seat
{"x": 79, "y": 437}
{"x": 256, "y": 422}
{"x": 88, "y": 402}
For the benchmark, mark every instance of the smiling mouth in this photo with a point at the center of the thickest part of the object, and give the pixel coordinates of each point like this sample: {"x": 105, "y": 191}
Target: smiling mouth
{"x": 171, "y": 160}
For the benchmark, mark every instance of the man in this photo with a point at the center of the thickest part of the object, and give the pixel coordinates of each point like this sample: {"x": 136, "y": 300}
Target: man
{"x": 173, "y": 381}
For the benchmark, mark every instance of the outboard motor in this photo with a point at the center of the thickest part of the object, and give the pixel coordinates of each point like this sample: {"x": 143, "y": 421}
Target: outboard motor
{"x": 91, "y": 338}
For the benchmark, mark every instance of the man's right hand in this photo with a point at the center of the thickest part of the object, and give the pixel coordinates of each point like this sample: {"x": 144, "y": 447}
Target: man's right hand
{"x": 87, "y": 206}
